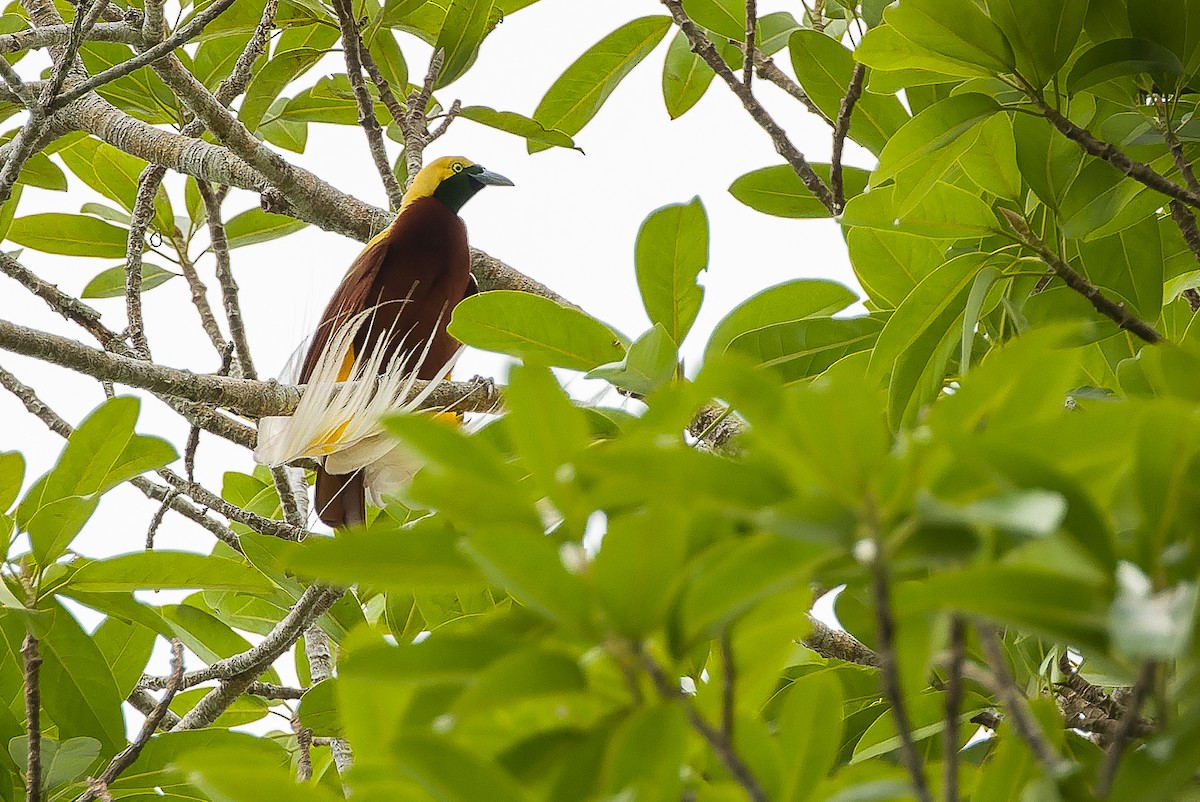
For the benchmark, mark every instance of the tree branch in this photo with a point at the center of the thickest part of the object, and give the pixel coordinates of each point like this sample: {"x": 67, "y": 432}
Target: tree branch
{"x": 705, "y": 50}
{"x": 841, "y": 127}
{"x": 163, "y": 49}
{"x": 716, "y": 740}
{"x": 1089, "y": 144}
{"x": 889, "y": 672}
{"x": 129, "y": 754}
{"x": 1125, "y": 729}
{"x": 252, "y": 398}
{"x": 229, "y": 287}
{"x": 954, "y": 699}
{"x": 33, "y": 719}
{"x": 351, "y": 47}
{"x": 157, "y": 492}
{"x": 1076, "y": 281}
{"x": 1004, "y": 686}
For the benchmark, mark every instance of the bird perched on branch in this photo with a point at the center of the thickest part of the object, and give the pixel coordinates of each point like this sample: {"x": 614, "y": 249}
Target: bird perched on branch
{"x": 384, "y": 328}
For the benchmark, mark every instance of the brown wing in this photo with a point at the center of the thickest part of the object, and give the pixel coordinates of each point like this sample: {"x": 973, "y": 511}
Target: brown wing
{"x": 413, "y": 277}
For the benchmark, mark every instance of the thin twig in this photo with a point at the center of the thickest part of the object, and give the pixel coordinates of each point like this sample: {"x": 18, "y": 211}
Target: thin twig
{"x": 1089, "y": 144}
{"x": 415, "y": 126}
{"x": 304, "y": 750}
{"x": 33, "y": 719}
{"x": 259, "y": 523}
{"x": 954, "y": 699}
{"x": 386, "y": 95}
{"x": 702, "y": 47}
{"x": 199, "y": 291}
{"x": 139, "y": 220}
{"x": 889, "y": 671}
{"x": 351, "y": 48}
{"x": 749, "y": 48}
{"x": 1014, "y": 701}
{"x": 146, "y": 704}
{"x": 841, "y": 127}
{"x": 716, "y": 740}
{"x": 56, "y": 424}
{"x": 1125, "y": 730}
{"x": 1076, "y": 281}
{"x": 728, "y": 685}
{"x": 129, "y": 754}
{"x": 229, "y": 287}
{"x": 238, "y": 672}
{"x": 185, "y": 33}
{"x": 157, "y": 519}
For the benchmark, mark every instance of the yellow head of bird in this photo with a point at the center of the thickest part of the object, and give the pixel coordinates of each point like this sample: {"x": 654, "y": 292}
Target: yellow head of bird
{"x": 453, "y": 180}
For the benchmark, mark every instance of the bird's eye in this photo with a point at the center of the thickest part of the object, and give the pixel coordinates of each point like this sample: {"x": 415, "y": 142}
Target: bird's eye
{"x": 457, "y": 167}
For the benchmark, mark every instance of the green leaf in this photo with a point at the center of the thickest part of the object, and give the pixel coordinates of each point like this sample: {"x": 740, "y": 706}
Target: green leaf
{"x": 648, "y": 754}
{"x": 520, "y": 125}
{"x": 810, "y": 730}
{"x": 319, "y": 709}
{"x": 126, "y": 648}
{"x": 454, "y": 461}
{"x": 779, "y": 191}
{"x": 271, "y": 79}
{"x": 42, "y": 173}
{"x": 991, "y": 163}
{"x": 671, "y": 251}
{"x": 417, "y": 558}
{"x": 1174, "y": 24}
{"x": 161, "y": 570}
{"x": 524, "y": 675}
{"x": 1049, "y": 162}
{"x": 725, "y": 18}
{"x": 946, "y": 212}
{"x": 1057, "y": 605}
{"x": 800, "y": 349}
{"x": 651, "y": 362}
{"x": 1117, "y": 58}
{"x": 1042, "y": 34}
{"x": 824, "y": 67}
{"x": 638, "y": 570}
{"x": 61, "y": 762}
{"x": 575, "y": 97}
{"x": 12, "y": 474}
{"x": 78, "y": 690}
{"x": 733, "y": 576}
{"x": 467, "y": 23}
{"x": 915, "y": 331}
{"x": 1149, "y": 625}
{"x": 114, "y": 174}
{"x": 931, "y": 130}
{"x": 254, "y": 226}
{"x": 235, "y": 775}
{"x": 685, "y": 77}
{"x": 69, "y": 235}
{"x": 450, "y": 773}
{"x": 528, "y": 565}
{"x": 956, "y": 32}
{"x": 8, "y": 211}
{"x": 784, "y": 303}
{"x": 102, "y": 452}
{"x": 549, "y": 432}
{"x": 889, "y": 265}
{"x": 111, "y": 283}
{"x": 535, "y": 329}
{"x": 979, "y": 291}
{"x": 1130, "y": 264}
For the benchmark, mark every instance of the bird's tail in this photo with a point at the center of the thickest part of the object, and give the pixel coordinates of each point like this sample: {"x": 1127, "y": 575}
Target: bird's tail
{"x": 338, "y": 418}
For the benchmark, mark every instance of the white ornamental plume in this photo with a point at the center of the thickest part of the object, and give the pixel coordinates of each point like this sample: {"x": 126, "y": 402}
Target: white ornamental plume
{"x": 338, "y": 418}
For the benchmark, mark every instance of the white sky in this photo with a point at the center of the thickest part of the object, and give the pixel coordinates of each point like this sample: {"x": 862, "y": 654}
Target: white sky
{"x": 570, "y": 222}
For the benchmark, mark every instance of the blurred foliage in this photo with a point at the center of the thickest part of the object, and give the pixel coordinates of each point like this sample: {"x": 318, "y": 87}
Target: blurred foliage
{"x": 520, "y": 625}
